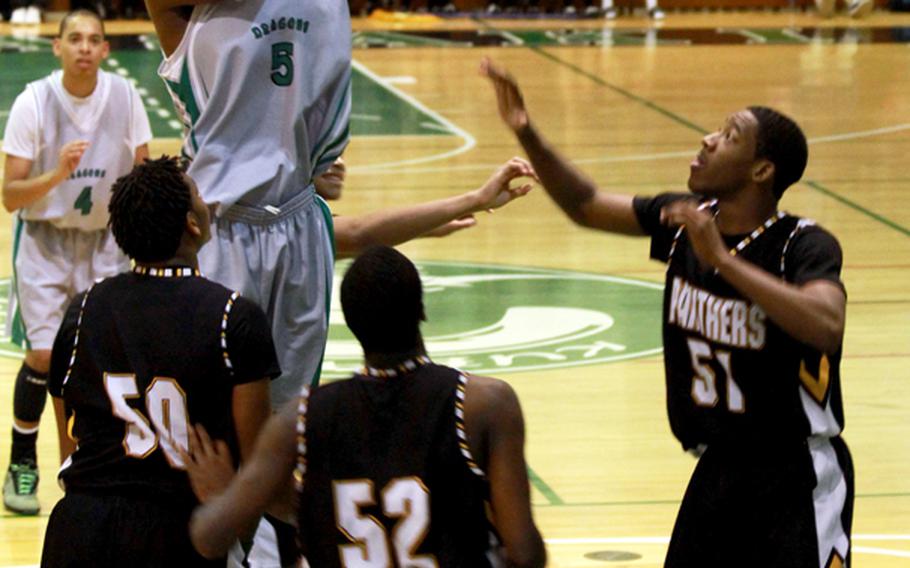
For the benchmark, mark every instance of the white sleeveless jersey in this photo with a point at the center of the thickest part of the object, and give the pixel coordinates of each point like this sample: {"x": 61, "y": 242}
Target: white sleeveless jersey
{"x": 80, "y": 201}
{"x": 264, "y": 91}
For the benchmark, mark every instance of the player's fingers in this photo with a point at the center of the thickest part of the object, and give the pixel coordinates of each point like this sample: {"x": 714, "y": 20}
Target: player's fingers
{"x": 192, "y": 441}
{"x": 464, "y": 222}
{"x": 517, "y": 167}
{"x": 510, "y": 170}
{"x": 487, "y": 68}
{"x": 523, "y": 163}
{"x": 222, "y": 451}
{"x": 204, "y": 440}
{"x": 522, "y": 190}
{"x": 672, "y": 216}
{"x": 185, "y": 456}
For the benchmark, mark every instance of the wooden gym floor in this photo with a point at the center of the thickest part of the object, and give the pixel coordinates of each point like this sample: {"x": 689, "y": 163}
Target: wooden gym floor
{"x": 607, "y": 473}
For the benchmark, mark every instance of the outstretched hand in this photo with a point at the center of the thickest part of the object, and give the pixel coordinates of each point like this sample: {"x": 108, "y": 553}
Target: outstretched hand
{"x": 498, "y": 191}
{"x": 508, "y": 96}
{"x": 208, "y": 463}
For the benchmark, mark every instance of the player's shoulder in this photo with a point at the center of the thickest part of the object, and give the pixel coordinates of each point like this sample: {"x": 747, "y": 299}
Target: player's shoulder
{"x": 490, "y": 392}
{"x": 44, "y": 82}
{"x": 807, "y": 230}
{"x": 111, "y": 285}
{"x": 34, "y": 91}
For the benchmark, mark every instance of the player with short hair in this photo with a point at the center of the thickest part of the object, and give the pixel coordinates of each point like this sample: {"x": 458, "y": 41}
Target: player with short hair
{"x": 753, "y": 327}
{"x": 419, "y": 449}
{"x": 69, "y": 136}
{"x": 140, "y": 356}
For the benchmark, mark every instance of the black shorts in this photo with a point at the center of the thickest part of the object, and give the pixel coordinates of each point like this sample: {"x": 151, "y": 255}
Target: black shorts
{"x": 777, "y": 507}
{"x": 98, "y": 530}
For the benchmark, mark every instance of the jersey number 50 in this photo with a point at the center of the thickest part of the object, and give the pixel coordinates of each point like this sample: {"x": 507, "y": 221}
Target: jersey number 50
{"x": 405, "y": 498}
{"x": 165, "y": 403}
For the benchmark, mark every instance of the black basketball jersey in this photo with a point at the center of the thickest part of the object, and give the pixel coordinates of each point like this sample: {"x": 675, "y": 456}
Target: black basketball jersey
{"x": 733, "y": 376}
{"x": 386, "y": 477}
{"x": 138, "y": 358}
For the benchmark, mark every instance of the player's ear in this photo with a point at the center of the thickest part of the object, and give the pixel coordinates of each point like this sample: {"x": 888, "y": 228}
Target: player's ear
{"x": 763, "y": 171}
{"x": 56, "y": 46}
{"x": 193, "y": 224}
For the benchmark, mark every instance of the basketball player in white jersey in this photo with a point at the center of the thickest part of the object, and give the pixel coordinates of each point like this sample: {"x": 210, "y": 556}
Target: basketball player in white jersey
{"x": 264, "y": 90}
{"x": 263, "y": 87}
{"x": 69, "y": 136}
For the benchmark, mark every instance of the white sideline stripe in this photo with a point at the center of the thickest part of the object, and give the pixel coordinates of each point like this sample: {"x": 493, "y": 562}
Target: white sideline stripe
{"x": 666, "y": 539}
{"x": 882, "y": 551}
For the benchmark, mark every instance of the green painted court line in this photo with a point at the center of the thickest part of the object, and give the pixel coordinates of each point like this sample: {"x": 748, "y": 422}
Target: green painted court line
{"x": 544, "y": 489}
{"x": 628, "y": 94}
{"x": 837, "y": 197}
{"x": 616, "y": 88}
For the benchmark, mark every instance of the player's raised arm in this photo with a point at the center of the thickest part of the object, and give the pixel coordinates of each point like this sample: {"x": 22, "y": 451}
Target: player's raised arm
{"x": 494, "y": 422}
{"x": 395, "y": 226}
{"x": 575, "y": 193}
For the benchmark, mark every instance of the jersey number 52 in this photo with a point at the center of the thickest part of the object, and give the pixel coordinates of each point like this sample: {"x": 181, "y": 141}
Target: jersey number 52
{"x": 404, "y": 498}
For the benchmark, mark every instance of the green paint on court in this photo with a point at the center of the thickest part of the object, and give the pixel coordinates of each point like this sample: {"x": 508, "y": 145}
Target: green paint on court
{"x": 544, "y": 489}
{"x": 377, "y": 109}
{"x": 856, "y": 206}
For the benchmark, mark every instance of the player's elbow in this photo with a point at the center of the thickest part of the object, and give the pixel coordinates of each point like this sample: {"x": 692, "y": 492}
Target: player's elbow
{"x": 830, "y": 337}
{"x": 582, "y": 212}
{"x": 204, "y": 539}
{"x": 8, "y": 203}
{"x": 829, "y": 329}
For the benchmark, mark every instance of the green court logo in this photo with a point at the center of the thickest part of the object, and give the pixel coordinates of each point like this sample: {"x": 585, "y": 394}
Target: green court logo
{"x": 496, "y": 319}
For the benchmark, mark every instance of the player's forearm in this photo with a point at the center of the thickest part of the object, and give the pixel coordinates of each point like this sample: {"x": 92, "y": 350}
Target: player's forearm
{"x": 23, "y": 192}
{"x": 531, "y": 554}
{"x": 230, "y": 516}
{"x": 816, "y": 319}
{"x": 395, "y": 226}
{"x": 568, "y": 186}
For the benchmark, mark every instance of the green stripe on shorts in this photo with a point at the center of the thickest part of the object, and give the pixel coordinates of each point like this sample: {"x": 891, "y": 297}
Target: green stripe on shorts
{"x": 18, "y": 335}
{"x": 330, "y": 226}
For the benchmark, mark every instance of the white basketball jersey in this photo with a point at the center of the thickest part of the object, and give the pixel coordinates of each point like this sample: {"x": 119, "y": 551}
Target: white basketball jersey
{"x": 80, "y": 201}
{"x": 264, "y": 90}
